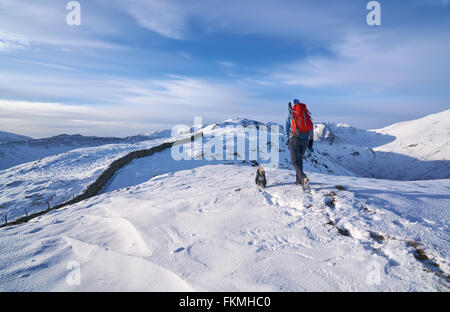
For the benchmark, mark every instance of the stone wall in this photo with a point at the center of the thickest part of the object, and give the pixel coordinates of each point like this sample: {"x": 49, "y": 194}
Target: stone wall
{"x": 93, "y": 189}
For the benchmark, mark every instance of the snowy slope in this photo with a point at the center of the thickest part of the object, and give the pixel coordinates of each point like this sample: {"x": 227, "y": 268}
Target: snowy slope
{"x": 32, "y": 187}
{"x": 162, "y": 224}
{"x": 349, "y": 147}
{"x": 15, "y": 153}
{"x": 211, "y": 229}
{"x": 7, "y": 137}
{"x": 412, "y": 150}
{"x": 421, "y": 148}
{"x": 141, "y": 170}
{"x": 427, "y": 138}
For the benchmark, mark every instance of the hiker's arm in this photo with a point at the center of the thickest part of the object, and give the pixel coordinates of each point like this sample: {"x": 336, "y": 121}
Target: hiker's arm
{"x": 287, "y": 126}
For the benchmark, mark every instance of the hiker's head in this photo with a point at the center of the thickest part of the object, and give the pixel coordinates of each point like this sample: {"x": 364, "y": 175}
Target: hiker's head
{"x": 296, "y": 101}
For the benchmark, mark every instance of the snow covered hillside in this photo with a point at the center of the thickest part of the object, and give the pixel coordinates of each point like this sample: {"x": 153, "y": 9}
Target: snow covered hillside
{"x": 35, "y": 186}
{"x": 427, "y": 138}
{"x": 6, "y": 137}
{"x": 17, "y": 152}
{"x": 144, "y": 169}
{"x": 412, "y": 150}
{"x": 211, "y": 229}
{"x": 200, "y": 223}
{"x": 424, "y": 146}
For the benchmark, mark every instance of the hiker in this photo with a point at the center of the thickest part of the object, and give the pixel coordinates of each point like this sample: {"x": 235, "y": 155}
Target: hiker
{"x": 300, "y": 133}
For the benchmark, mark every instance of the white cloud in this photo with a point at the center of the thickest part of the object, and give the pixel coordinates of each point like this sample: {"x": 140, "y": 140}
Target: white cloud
{"x": 290, "y": 19}
{"x": 160, "y": 16}
{"x": 27, "y": 22}
{"x": 7, "y": 44}
{"x": 56, "y": 66}
{"x": 121, "y": 106}
{"x": 375, "y": 61}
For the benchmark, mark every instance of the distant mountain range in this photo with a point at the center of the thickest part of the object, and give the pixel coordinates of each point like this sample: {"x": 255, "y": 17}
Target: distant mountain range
{"x": 6, "y": 137}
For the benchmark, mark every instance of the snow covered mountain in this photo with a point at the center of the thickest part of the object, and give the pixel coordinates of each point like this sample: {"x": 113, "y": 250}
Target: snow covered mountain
{"x": 427, "y": 138}
{"x": 412, "y": 150}
{"x": 48, "y": 182}
{"x": 161, "y": 224}
{"x": 32, "y": 187}
{"x": 18, "y": 152}
{"x": 421, "y": 147}
{"x": 6, "y": 137}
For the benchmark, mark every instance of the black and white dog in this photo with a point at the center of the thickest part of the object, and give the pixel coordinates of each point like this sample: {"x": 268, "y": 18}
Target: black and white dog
{"x": 260, "y": 177}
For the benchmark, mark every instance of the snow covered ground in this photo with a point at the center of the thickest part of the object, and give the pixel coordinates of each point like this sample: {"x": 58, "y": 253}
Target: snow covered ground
{"x": 211, "y": 229}
{"x": 161, "y": 224}
{"x": 426, "y": 138}
{"x": 50, "y": 181}
{"x": 141, "y": 170}
{"x": 33, "y": 186}
{"x": 411, "y": 150}
{"x": 18, "y": 150}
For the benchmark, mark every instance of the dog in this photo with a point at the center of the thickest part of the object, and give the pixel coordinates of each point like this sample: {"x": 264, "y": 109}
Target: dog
{"x": 261, "y": 177}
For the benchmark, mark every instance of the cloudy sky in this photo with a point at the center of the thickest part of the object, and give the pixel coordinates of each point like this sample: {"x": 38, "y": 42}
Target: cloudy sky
{"x": 137, "y": 65}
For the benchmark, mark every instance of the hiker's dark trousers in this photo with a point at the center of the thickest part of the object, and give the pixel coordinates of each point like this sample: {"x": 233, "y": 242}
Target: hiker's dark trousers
{"x": 297, "y": 147}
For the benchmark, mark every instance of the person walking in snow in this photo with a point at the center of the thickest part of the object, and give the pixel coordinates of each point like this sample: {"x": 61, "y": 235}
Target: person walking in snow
{"x": 300, "y": 136}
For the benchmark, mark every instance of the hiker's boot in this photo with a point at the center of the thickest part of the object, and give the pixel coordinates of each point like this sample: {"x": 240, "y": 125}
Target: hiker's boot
{"x": 305, "y": 182}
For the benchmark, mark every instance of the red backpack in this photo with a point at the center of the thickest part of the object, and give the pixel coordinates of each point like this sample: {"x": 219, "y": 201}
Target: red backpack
{"x": 301, "y": 119}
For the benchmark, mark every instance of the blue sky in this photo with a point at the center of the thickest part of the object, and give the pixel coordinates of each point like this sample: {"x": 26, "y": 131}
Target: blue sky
{"x": 137, "y": 65}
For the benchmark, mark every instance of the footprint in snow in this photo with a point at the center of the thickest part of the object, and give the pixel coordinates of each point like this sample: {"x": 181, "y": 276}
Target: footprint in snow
{"x": 35, "y": 230}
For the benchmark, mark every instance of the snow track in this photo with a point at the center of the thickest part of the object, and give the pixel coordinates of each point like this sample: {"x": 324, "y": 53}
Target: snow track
{"x": 345, "y": 214}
